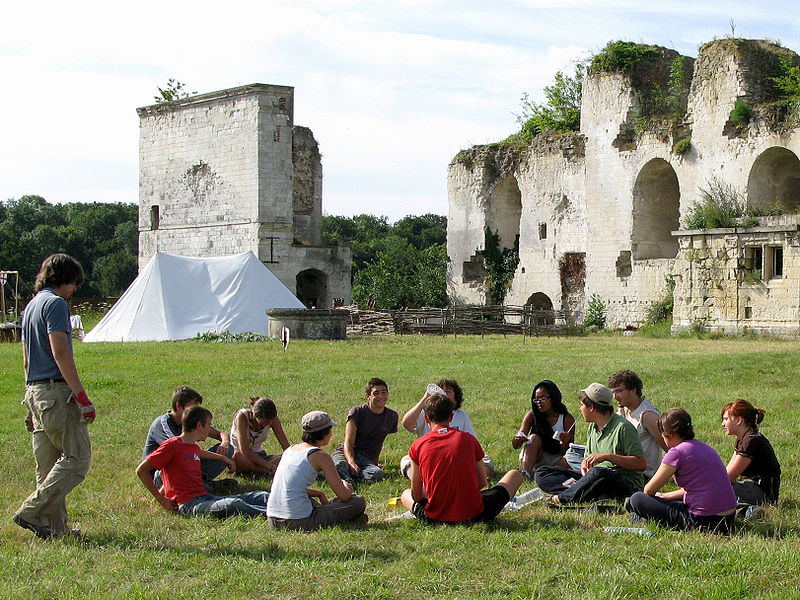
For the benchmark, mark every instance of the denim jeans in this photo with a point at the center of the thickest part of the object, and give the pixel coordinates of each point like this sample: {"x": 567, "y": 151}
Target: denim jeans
{"x": 249, "y": 504}
{"x": 675, "y": 514}
{"x": 370, "y": 472}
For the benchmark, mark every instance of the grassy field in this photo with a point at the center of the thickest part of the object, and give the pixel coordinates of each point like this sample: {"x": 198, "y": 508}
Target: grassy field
{"x": 133, "y": 549}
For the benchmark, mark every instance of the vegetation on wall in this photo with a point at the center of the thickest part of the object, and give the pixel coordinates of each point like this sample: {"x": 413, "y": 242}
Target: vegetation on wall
{"x": 103, "y": 237}
{"x": 501, "y": 264}
{"x": 662, "y": 311}
{"x": 622, "y": 57}
{"x": 720, "y": 205}
{"x": 172, "y": 92}
{"x": 561, "y": 112}
{"x": 394, "y": 266}
{"x": 741, "y": 113}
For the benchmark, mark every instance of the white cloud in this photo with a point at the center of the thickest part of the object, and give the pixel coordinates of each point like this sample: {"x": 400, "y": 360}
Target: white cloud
{"x": 392, "y": 90}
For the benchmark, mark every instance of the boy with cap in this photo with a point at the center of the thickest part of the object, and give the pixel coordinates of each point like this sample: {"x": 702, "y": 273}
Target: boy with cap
{"x": 292, "y": 503}
{"x": 614, "y": 459}
{"x": 447, "y": 473}
{"x": 179, "y": 458}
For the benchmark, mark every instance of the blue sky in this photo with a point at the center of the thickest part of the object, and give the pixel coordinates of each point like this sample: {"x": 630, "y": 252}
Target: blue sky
{"x": 391, "y": 90}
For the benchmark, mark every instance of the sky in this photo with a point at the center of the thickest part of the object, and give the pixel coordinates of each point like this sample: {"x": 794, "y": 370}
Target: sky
{"x": 391, "y": 89}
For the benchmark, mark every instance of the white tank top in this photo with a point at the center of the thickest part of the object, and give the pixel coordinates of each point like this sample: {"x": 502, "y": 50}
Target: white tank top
{"x": 256, "y": 436}
{"x": 288, "y": 498}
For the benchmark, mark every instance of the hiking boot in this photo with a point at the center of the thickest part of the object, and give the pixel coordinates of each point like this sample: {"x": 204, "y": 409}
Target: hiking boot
{"x": 40, "y": 531}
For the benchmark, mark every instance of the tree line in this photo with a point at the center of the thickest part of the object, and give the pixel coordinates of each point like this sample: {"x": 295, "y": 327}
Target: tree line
{"x": 394, "y": 265}
{"x": 103, "y": 237}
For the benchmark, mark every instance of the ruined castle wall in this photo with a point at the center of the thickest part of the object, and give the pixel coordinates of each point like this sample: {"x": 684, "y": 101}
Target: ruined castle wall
{"x": 553, "y": 221}
{"x": 227, "y": 172}
{"x": 198, "y": 203}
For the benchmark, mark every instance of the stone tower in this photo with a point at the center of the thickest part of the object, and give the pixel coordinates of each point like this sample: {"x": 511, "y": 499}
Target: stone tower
{"x": 227, "y": 172}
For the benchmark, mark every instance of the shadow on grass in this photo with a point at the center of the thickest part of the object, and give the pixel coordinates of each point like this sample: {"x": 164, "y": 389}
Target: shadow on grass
{"x": 266, "y": 551}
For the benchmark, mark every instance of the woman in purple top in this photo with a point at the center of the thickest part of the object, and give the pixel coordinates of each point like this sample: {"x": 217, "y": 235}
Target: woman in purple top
{"x": 705, "y": 497}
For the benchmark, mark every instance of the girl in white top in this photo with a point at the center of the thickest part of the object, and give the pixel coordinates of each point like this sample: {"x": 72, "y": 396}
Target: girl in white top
{"x": 249, "y": 429}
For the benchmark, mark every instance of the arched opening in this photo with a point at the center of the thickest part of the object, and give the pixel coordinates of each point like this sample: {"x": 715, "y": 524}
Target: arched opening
{"x": 312, "y": 288}
{"x": 774, "y": 182}
{"x": 505, "y": 209}
{"x": 656, "y": 211}
{"x": 540, "y": 301}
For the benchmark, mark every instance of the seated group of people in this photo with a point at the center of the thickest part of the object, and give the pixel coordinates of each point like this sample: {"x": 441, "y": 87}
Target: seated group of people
{"x": 446, "y": 465}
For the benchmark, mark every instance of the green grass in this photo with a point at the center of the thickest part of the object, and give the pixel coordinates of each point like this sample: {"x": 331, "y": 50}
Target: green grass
{"x": 133, "y": 549}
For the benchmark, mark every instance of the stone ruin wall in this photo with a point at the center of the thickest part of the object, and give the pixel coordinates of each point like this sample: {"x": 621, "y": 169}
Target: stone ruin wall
{"x": 229, "y": 172}
{"x": 626, "y": 190}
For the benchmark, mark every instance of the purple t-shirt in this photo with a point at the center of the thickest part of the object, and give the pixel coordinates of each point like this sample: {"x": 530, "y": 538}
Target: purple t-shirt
{"x": 702, "y": 474}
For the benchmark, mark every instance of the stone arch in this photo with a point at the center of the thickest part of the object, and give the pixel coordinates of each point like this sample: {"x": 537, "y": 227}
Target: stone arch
{"x": 312, "y": 288}
{"x": 540, "y": 301}
{"x": 656, "y": 211}
{"x": 774, "y": 180}
{"x": 505, "y": 210}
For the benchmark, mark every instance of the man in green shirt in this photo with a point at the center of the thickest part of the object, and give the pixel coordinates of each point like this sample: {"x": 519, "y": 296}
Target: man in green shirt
{"x": 613, "y": 462}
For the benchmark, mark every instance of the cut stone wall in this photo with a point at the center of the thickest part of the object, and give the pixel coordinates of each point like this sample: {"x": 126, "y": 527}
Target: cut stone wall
{"x": 228, "y": 172}
{"x": 616, "y": 191}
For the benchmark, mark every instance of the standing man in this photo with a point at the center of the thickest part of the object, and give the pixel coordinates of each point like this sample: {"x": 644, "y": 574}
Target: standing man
{"x": 614, "y": 460}
{"x": 639, "y": 412}
{"x": 58, "y": 407}
{"x": 366, "y": 428}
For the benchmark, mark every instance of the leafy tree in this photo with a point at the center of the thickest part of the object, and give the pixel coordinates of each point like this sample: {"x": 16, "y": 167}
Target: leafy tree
{"x": 394, "y": 266}
{"x": 172, "y": 92}
{"x": 561, "y": 112}
{"x": 103, "y": 237}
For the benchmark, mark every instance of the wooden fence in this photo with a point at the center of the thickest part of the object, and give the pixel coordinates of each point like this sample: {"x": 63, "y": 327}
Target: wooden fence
{"x": 459, "y": 320}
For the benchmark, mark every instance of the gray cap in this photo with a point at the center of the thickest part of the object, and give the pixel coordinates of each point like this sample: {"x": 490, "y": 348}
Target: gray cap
{"x": 599, "y": 394}
{"x": 316, "y": 420}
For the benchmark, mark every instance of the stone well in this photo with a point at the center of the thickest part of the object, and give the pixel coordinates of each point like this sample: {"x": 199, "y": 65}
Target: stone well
{"x": 309, "y": 324}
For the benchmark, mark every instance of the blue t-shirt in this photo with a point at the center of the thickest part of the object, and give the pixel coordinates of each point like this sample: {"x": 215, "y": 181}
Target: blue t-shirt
{"x": 46, "y": 313}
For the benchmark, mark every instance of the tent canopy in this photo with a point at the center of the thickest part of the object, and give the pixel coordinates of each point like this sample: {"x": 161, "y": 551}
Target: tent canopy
{"x": 177, "y": 297}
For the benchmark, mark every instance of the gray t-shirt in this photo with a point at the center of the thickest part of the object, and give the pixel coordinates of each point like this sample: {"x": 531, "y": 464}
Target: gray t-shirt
{"x": 46, "y": 313}
{"x": 371, "y": 430}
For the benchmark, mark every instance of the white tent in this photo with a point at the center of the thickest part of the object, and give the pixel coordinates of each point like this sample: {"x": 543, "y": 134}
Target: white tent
{"x": 177, "y": 297}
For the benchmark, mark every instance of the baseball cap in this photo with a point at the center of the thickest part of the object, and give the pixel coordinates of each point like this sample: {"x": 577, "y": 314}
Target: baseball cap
{"x": 316, "y": 420}
{"x": 599, "y": 394}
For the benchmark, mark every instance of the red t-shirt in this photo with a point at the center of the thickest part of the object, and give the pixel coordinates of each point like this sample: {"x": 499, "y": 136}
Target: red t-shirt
{"x": 446, "y": 459}
{"x": 179, "y": 464}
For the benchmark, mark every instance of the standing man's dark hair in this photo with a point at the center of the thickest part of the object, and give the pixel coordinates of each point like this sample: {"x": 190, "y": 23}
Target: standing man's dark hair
{"x": 60, "y": 438}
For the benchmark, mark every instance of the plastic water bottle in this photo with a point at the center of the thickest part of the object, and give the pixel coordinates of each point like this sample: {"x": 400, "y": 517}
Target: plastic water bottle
{"x": 528, "y": 497}
{"x": 434, "y": 390}
{"x": 634, "y": 530}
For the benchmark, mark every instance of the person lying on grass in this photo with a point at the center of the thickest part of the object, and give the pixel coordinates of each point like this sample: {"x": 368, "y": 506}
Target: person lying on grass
{"x": 705, "y": 498}
{"x": 292, "y": 503}
{"x": 447, "y": 473}
{"x": 179, "y": 458}
{"x": 249, "y": 429}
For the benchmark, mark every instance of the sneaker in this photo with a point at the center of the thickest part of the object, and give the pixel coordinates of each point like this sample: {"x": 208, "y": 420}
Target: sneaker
{"x": 68, "y": 533}
{"x": 754, "y": 512}
{"x": 39, "y": 531}
{"x": 527, "y": 475}
{"x": 635, "y": 519}
{"x": 225, "y": 487}
{"x": 626, "y": 504}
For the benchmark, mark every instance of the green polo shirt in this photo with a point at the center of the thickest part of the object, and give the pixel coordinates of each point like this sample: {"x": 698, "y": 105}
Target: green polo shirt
{"x": 617, "y": 437}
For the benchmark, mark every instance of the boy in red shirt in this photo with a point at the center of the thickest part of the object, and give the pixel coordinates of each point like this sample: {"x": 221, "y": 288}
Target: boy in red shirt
{"x": 178, "y": 459}
{"x": 447, "y": 473}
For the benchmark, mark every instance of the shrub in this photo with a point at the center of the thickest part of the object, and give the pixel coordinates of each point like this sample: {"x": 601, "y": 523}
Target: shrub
{"x": 596, "y": 312}
{"x": 618, "y": 56}
{"x": 662, "y": 311}
{"x": 682, "y": 146}
{"x": 720, "y": 206}
{"x": 741, "y": 113}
